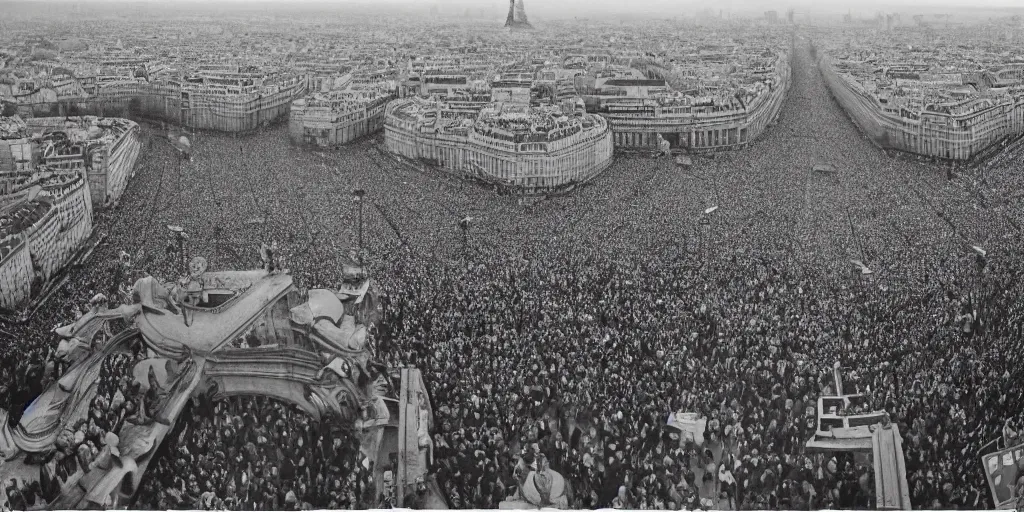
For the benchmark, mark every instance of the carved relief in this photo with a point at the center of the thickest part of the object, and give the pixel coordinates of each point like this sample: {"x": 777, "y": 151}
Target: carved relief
{"x": 346, "y": 391}
{"x": 91, "y": 330}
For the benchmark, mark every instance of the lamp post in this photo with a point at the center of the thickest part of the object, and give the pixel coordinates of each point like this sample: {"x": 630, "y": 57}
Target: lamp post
{"x": 358, "y": 197}
{"x": 977, "y": 284}
{"x": 464, "y": 226}
{"x": 216, "y": 243}
{"x": 181, "y": 250}
{"x": 706, "y": 234}
{"x": 181, "y": 237}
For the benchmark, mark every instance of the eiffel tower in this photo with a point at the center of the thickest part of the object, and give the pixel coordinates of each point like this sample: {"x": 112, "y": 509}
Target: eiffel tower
{"x": 516, "y": 15}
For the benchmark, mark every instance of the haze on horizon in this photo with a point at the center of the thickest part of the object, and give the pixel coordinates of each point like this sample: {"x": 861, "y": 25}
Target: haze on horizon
{"x": 598, "y": 8}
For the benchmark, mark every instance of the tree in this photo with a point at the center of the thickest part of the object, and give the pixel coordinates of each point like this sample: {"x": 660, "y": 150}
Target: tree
{"x": 10, "y": 109}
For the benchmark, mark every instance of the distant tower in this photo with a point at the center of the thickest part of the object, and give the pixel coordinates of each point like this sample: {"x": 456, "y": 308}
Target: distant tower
{"x": 516, "y": 15}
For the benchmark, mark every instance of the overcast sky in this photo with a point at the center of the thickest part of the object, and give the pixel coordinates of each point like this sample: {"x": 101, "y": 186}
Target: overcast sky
{"x": 668, "y": 8}
{"x": 660, "y": 4}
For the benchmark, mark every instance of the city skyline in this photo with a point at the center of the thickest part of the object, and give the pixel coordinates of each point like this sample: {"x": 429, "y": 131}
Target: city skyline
{"x": 462, "y": 254}
{"x": 589, "y": 8}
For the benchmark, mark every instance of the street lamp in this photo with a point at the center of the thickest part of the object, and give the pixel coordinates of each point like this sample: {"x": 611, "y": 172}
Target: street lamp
{"x": 464, "y": 226}
{"x": 981, "y": 261}
{"x": 357, "y": 195}
{"x": 705, "y": 222}
{"x": 181, "y": 236}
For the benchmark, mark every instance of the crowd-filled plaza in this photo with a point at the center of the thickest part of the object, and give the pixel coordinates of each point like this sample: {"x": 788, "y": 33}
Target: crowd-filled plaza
{"x": 572, "y": 327}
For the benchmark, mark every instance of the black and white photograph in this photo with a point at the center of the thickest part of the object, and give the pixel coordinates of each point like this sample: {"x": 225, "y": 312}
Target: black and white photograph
{"x": 284, "y": 255}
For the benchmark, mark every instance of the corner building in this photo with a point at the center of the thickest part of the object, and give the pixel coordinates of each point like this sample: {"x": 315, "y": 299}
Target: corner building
{"x": 954, "y": 125}
{"x": 696, "y": 124}
{"x": 531, "y": 149}
{"x": 336, "y": 118}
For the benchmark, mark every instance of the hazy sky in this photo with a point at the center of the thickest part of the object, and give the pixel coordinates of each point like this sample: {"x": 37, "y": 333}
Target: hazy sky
{"x": 659, "y": 4}
{"x": 667, "y": 8}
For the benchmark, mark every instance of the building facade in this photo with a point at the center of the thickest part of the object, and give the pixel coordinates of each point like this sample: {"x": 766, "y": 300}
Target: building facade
{"x": 696, "y": 126}
{"x": 57, "y": 172}
{"x": 202, "y": 106}
{"x": 336, "y": 118}
{"x": 106, "y": 152}
{"x": 529, "y": 149}
{"x": 958, "y": 130}
{"x": 39, "y": 237}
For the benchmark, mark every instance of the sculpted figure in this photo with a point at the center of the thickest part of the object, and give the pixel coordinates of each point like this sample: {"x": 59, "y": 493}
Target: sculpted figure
{"x": 335, "y": 399}
{"x": 80, "y": 338}
{"x": 269, "y": 256}
{"x": 149, "y": 291}
{"x": 664, "y": 146}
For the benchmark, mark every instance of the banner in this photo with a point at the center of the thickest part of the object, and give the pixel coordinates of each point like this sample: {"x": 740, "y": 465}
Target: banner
{"x": 690, "y": 424}
{"x": 1002, "y": 469}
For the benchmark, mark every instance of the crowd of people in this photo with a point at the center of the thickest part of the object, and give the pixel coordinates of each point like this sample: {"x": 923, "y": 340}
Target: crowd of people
{"x": 570, "y": 329}
{"x": 256, "y": 454}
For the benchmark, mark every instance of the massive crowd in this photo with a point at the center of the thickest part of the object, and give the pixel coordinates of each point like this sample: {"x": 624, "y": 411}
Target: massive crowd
{"x": 573, "y": 327}
{"x": 256, "y": 454}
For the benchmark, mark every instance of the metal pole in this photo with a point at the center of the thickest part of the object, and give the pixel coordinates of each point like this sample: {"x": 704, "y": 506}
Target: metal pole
{"x": 360, "y": 233}
{"x": 359, "y": 193}
{"x": 181, "y": 251}
{"x": 704, "y": 225}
